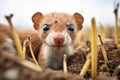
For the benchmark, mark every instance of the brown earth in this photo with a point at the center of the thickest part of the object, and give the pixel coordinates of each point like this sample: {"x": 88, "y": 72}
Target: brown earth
{"x": 105, "y": 71}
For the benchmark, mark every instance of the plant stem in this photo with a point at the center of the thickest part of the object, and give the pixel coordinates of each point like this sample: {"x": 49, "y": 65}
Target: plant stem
{"x": 94, "y": 54}
{"x": 103, "y": 49}
{"x": 65, "y": 63}
{"x": 86, "y": 66}
{"x": 102, "y": 32}
{"x": 15, "y": 37}
{"x": 116, "y": 24}
{"x": 24, "y": 46}
{"x": 31, "y": 51}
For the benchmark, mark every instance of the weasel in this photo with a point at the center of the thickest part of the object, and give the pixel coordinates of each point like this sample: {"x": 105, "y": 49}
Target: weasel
{"x": 54, "y": 37}
{"x": 57, "y": 32}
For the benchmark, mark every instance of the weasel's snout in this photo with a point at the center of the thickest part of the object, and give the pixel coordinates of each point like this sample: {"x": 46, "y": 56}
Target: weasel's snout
{"x": 59, "y": 39}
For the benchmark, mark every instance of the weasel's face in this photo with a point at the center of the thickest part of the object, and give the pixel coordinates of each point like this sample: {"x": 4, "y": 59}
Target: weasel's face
{"x": 58, "y": 39}
{"x": 57, "y": 29}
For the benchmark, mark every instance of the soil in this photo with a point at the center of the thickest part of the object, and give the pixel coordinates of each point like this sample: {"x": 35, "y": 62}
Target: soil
{"x": 105, "y": 71}
{"x": 109, "y": 70}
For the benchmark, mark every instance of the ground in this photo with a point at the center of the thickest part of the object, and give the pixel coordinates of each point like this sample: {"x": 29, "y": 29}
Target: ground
{"x": 12, "y": 69}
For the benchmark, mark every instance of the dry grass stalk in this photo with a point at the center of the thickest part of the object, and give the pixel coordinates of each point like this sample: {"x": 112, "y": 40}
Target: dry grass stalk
{"x": 94, "y": 55}
{"x": 24, "y": 46}
{"x": 15, "y": 37}
{"x": 102, "y": 32}
{"x": 116, "y": 23}
{"x": 65, "y": 63}
{"x": 86, "y": 66}
{"x": 31, "y": 51}
{"x": 103, "y": 49}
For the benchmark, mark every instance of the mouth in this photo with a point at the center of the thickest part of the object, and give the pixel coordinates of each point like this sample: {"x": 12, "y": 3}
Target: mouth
{"x": 60, "y": 45}
{"x": 56, "y": 45}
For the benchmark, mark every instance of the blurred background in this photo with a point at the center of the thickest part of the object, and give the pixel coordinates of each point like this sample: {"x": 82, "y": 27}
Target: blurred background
{"x": 23, "y": 10}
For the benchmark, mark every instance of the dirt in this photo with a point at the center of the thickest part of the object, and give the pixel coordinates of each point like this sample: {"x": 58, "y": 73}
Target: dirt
{"x": 11, "y": 69}
{"x": 76, "y": 62}
{"x": 105, "y": 71}
{"x": 109, "y": 70}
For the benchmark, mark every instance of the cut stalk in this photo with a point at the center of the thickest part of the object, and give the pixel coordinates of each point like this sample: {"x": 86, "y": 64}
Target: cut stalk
{"x": 94, "y": 54}
{"x": 24, "y": 46}
{"x": 116, "y": 24}
{"x": 103, "y": 49}
{"x": 15, "y": 37}
{"x": 31, "y": 51}
{"x": 102, "y": 32}
{"x": 65, "y": 63}
{"x": 86, "y": 66}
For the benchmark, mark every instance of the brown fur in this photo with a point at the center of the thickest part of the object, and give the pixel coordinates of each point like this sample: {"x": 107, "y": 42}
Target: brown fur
{"x": 62, "y": 19}
{"x": 58, "y": 22}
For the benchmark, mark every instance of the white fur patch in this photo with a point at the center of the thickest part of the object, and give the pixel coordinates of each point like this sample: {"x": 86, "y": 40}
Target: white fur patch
{"x": 49, "y": 39}
{"x": 53, "y": 56}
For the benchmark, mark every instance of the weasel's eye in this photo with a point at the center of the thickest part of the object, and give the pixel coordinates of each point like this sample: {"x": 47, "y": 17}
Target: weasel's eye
{"x": 71, "y": 27}
{"x": 46, "y": 27}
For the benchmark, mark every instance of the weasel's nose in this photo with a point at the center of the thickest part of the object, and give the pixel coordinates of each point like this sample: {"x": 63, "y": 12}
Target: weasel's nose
{"x": 59, "y": 39}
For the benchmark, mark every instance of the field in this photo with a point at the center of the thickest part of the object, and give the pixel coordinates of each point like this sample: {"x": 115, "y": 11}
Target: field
{"x": 96, "y": 56}
{"x": 11, "y": 64}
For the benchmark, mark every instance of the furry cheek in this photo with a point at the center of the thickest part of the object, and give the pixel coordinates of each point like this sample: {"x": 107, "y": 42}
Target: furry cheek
{"x": 68, "y": 39}
{"x": 49, "y": 40}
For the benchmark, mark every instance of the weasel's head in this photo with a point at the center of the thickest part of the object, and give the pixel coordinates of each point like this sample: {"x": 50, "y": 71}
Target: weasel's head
{"x": 57, "y": 29}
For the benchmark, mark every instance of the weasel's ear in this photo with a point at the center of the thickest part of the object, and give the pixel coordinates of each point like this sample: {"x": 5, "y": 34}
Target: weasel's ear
{"x": 79, "y": 20}
{"x": 36, "y": 18}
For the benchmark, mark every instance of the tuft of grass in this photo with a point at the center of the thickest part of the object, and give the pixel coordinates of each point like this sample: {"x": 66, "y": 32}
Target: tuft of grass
{"x": 86, "y": 66}
{"x": 94, "y": 55}
{"x": 65, "y": 63}
{"x": 116, "y": 23}
{"x": 15, "y": 37}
